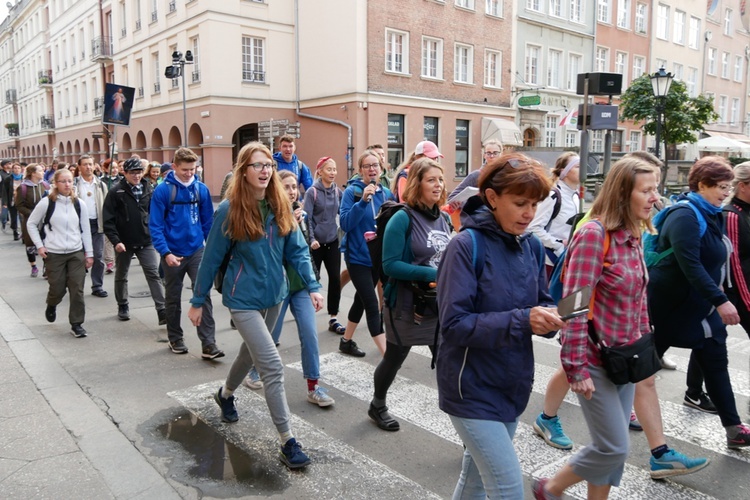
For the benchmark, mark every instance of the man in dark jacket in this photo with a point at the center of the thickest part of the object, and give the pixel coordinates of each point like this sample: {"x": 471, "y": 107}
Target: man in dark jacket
{"x": 126, "y": 214}
{"x": 4, "y": 173}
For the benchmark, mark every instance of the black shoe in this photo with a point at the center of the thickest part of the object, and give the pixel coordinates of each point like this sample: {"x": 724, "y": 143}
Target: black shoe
{"x": 100, "y": 293}
{"x": 212, "y": 352}
{"x": 77, "y": 331}
{"x": 15, "y": 236}
{"x": 51, "y": 313}
{"x": 178, "y": 347}
{"x": 702, "y": 403}
{"x": 351, "y": 348}
{"x": 123, "y": 312}
{"x": 162, "y": 314}
{"x": 384, "y": 419}
{"x": 228, "y": 411}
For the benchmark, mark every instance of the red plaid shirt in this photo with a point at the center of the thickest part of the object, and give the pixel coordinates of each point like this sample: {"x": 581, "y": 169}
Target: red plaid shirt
{"x": 620, "y": 311}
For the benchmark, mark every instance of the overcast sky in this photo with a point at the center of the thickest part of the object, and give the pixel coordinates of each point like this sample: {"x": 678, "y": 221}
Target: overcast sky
{"x": 3, "y": 11}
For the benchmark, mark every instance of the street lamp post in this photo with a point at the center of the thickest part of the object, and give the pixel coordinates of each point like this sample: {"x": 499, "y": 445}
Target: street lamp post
{"x": 175, "y": 71}
{"x": 660, "y": 83}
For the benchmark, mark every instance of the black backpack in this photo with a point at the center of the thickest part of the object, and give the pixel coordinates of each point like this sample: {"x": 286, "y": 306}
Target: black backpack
{"x": 51, "y": 210}
{"x": 387, "y": 210}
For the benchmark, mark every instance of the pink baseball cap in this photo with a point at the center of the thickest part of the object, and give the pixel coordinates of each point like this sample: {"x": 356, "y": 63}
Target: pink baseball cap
{"x": 429, "y": 149}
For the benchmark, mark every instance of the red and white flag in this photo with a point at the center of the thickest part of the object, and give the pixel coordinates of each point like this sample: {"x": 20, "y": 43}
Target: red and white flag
{"x": 570, "y": 119}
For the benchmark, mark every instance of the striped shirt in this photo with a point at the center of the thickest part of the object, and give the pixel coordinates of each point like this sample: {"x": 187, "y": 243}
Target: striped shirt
{"x": 620, "y": 311}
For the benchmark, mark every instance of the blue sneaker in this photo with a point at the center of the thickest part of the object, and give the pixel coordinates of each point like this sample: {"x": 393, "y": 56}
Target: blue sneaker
{"x": 674, "y": 463}
{"x": 292, "y": 456}
{"x": 552, "y": 433}
{"x": 228, "y": 411}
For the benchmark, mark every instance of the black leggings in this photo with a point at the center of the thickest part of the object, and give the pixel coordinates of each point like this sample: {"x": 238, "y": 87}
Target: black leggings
{"x": 385, "y": 373}
{"x": 331, "y": 256}
{"x": 364, "y": 280}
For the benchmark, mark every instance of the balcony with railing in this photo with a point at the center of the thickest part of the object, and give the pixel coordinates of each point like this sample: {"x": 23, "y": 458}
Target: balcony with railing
{"x": 140, "y": 91}
{"x": 47, "y": 122}
{"x": 98, "y": 106}
{"x": 45, "y": 78}
{"x": 254, "y": 76}
{"x": 11, "y": 97}
{"x": 12, "y": 129}
{"x": 172, "y": 6}
{"x": 196, "y": 76}
{"x": 102, "y": 48}
{"x": 157, "y": 88}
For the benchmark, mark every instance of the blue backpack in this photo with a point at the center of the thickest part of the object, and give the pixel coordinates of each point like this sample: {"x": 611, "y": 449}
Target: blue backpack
{"x": 650, "y": 241}
{"x": 558, "y": 271}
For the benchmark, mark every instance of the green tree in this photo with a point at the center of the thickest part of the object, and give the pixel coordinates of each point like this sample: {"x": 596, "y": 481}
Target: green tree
{"x": 683, "y": 115}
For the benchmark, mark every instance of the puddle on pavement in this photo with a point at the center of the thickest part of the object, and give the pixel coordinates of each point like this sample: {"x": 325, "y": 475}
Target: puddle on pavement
{"x": 220, "y": 468}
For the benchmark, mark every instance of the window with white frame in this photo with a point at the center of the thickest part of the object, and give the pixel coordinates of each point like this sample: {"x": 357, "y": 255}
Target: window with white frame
{"x": 601, "y": 63}
{"x": 463, "y": 63}
{"x": 535, "y": 5}
{"x": 634, "y": 144}
{"x": 196, "y": 75}
{"x": 157, "y": 72}
{"x": 602, "y": 11}
{"x": 493, "y": 65}
{"x": 531, "y": 65}
{"x": 641, "y": 17}
{"x": 466, "y": 4}
{"x": 678, "y": 33}
{"x": 662, "y": 22}
{"x": 712, "y": 61}
{"x": 550, "y": 130}
{"x": 711, "y": 97}
{"x": 137, "y": 14}
{"x": 253, "y": 59}
{"x": 722, "y": 109}
{"x": 396, "y": 51}
{"x": 597, "y": 141}
{"x": 728, "y": 22}
{"x": 734, "y": 115}
{"x": 576, "y": 11}
{"x": 738, "y": 68}
{"x": 691, "y": 81}
{"x": 123, "y": 19}
{"x": 661, "y": 63}
{"x": 139, "y": 76}
{"x": 623, "y": 14}
{"x": 694, "y": 33}
{"x": 432, "y": 57}
{"x": 494, "y": 8}
{"x": 571, "y": 139}
{"x": 575, "y": 62}
{"x": 555, "y": 8}
{"x": 621, "y": 65}
{"x": 725, "y": 65}
{"x": 554, "y": 62}
{"x": 639, "y": 65}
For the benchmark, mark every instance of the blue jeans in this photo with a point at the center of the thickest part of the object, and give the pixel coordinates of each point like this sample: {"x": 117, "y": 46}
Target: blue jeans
{"x": 304, "y": 316}
{"x": 490, "y": 468}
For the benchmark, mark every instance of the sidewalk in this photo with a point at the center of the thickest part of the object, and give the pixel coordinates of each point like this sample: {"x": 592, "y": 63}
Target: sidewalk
{"x": 56, "y": 442}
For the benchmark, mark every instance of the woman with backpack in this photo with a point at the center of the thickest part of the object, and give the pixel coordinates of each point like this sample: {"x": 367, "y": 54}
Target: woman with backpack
{"x": 359, "y": 207}
{"x": 29, "y": 193}
{"x": 413, "y": 244}
{"x": 492, "y": 291}
{"x": 322, "y": 206}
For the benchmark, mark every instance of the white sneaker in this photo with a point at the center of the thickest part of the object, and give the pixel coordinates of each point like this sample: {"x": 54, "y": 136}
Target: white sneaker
{"x": 667, "y": 363}
{"x": 320, "y": 397}
{"x": 253, "y": 380}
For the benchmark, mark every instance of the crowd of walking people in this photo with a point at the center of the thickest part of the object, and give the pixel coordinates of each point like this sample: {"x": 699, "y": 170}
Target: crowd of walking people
{"x": 652, "y": 285}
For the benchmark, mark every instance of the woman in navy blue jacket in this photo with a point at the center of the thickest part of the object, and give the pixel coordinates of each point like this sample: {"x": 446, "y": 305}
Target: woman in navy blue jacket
{"x": 492, "y": 296}
{"x": 359, "y": 207}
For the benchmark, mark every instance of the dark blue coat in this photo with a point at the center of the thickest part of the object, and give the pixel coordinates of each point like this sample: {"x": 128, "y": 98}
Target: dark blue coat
{"x": 485, "y": 364}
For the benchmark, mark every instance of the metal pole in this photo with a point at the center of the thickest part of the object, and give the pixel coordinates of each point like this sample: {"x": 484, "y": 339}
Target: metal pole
{"x": 184, "y": 105}
{"x": 584, "y": 156}
{"x": 607, "y": 152}
{"x": 657, "y": 149}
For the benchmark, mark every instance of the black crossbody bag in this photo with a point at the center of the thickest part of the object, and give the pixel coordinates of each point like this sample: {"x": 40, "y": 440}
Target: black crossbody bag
{"x": 628, "y": 363}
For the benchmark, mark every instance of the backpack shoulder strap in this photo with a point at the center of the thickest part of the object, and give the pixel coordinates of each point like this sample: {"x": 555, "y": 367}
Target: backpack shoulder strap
{"x": 557, "y": 196}
{"x": 701, "y": 219}
{"x": 605, "y": 249}
{"x": 477, "y": 256}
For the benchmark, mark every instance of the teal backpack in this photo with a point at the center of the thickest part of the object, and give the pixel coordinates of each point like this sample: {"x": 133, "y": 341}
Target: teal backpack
{"x": 650, "y": 241}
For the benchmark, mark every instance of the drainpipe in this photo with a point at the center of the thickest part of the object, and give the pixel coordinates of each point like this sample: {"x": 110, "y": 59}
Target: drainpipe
{"x": 349, "y": 146}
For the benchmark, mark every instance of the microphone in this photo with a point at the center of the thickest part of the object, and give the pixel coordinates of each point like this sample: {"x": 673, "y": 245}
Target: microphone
{"x": 302, "y": 223}
{"x": 372, "y": 183}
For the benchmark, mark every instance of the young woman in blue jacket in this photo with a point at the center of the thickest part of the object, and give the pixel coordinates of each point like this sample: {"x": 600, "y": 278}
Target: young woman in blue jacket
{"x": 492, "y": 296}
{"x": 359, "y": 207}
{"x": 257, "y": 218}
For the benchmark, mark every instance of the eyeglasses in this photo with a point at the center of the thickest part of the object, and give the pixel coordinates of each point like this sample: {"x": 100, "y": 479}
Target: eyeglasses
{"x": 370, "y": 166}
{"x": 492, "y": 154}
{"x": 258, "y": 167}
{"x": 725, "y": 187}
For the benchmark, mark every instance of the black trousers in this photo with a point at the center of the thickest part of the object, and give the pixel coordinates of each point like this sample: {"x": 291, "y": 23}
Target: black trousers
{"x": 364, "y": 280}
{"x": 330, "y": 255}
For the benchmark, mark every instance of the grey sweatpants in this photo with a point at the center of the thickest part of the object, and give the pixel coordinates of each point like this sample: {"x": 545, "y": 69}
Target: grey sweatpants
{"x": 259, "y": 349}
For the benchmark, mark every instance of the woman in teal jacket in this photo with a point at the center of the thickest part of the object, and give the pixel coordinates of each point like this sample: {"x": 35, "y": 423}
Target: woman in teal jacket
{"x": 256, "y": 226}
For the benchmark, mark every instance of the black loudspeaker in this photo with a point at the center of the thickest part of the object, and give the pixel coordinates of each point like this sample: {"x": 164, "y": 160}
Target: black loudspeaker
{"x": 600, "y": 83}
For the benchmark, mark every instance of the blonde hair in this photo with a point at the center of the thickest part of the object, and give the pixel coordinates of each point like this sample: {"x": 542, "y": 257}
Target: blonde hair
{"x": 741, "y": 174}
{"x": 412, "y": 194}
{"x": 53, "y": 192}
{"x": 404, "y": 164}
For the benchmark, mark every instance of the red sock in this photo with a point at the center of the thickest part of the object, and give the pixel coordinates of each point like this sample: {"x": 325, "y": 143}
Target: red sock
{"x": 311, "y": 383}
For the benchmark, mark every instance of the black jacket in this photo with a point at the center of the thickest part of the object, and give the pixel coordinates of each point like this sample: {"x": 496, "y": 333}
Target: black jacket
{"x": 125, "y": 219}
{"x": 8, "y": 194}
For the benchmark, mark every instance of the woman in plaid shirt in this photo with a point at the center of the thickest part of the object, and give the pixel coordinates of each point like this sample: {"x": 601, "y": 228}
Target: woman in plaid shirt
{"x": 620, "y": 316}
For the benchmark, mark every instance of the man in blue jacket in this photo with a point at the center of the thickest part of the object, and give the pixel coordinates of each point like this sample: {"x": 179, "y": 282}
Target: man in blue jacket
{"x": 287, "y": 160}
{"x": 180, "y": 219}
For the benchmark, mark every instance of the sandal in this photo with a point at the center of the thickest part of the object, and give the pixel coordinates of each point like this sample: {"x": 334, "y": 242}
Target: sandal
{"x": 383, "y": 419}
{"x": 336, "y": 327}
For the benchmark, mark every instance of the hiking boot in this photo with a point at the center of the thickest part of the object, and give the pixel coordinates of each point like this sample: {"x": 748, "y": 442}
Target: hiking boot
{"x": 702, "y": 403}
{"x": 552, "y": 432}
{"x": 537, "y": 488}
{"x": 212, "y": 352}
{"x": 674, "y": 463}
{"x": 34, "y": 271}
{"x": 77, "y": 331}
{"x": 741, "y": 440}
{"x": 253, "y": 381}
{"x": 51, "y": 313}
{"x": 382, "y": 418}
{"x": 351, "y": 348}
{"x": 162, "y": 315}
{"x": 178, "y": 347}
{"x": 123, "y": 312}
{"x": 292, "y": 456}
{"x": 319, "y": 397}
{"x": 228, "y": 411}
{"x": 634, "y": 424}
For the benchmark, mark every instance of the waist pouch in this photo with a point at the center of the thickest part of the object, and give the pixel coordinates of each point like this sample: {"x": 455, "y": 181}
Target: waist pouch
{"x": 628, "y": 363}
